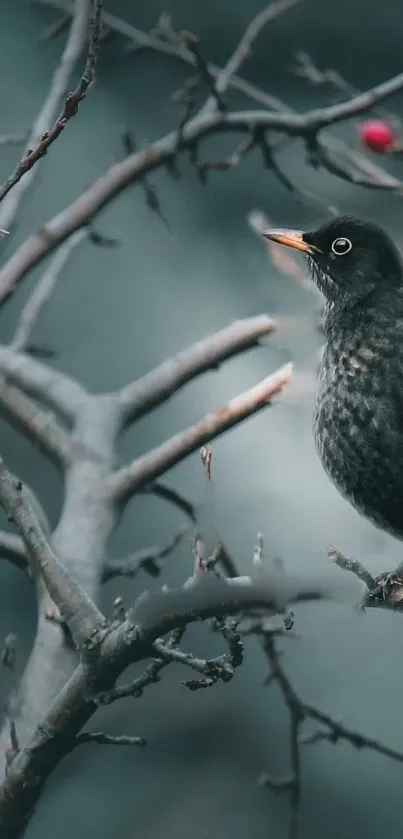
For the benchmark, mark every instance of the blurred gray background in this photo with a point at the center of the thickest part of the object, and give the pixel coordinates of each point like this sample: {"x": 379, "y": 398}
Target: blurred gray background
{"x": 116, "y": 313}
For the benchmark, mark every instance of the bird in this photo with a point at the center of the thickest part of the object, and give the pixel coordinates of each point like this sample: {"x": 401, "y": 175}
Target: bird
{"x": 358, "y": 406}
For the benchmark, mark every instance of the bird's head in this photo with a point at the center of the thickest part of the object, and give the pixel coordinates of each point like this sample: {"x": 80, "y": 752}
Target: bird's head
{"x": 348, "y": 258}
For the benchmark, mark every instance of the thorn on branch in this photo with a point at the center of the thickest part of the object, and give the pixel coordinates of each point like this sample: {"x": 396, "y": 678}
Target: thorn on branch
{"x": 150, "y": 192}
{"x": 103, "y": 241}
{"x": 206, "y": 456}
{"x": 227, "y": 163}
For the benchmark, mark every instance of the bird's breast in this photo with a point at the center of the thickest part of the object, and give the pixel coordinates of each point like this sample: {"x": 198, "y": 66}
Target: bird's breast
{"x": 356, "y": 428}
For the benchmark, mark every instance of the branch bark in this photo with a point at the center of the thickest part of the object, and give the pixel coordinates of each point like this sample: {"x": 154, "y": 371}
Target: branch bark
{"x": 136, "y": 166}
{"x": 132, "y": 641}
{"x": 38, "y": 426}
{"x": 77, "y": 609}
{"x": 125, "y": 482}
{"x": 157, "y": 386}
{"x": 22, "y": 178}
{"x": 64, "y": 394}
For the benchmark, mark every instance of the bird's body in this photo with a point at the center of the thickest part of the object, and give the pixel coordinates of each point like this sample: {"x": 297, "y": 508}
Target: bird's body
{"x": 358, "y": 413}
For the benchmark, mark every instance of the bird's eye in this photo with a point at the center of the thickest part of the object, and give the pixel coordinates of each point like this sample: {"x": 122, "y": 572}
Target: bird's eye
{"x": 341, "y": 246}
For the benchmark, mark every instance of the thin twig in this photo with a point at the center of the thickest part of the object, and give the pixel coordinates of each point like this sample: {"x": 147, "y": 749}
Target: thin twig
{"x": 243, "y": 48}
{"x": 147, "y": 559}
{"x": 136, "y": 166}
{"x": 73, "y": 49}
{"x": 43, "y": 290}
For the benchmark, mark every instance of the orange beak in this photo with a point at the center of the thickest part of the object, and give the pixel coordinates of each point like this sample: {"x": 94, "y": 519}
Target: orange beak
{"x": 290, "y": 238}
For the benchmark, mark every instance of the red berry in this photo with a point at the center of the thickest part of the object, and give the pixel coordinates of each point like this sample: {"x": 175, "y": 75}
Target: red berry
{"x": 377, "y": 135}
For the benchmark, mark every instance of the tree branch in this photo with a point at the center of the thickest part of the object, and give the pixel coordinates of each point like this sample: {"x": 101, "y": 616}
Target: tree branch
{"x": 130, "y": 642}
{"x": 242, "y": 50}
{"x": 125, "y": 482}
{"x": 330, "y": 729}
{"x": 146, "y": 559}
{"x": 137, "y": 165}
{"x": 171, "y": 44}
{"x": 64, "y": 394}
{"x": 38, "y": 426}
{"x": 42, "y": 134}
{"x": 79, "y": 613}
{"x": 156, "y": 387}
{"x": 42, "y": 292}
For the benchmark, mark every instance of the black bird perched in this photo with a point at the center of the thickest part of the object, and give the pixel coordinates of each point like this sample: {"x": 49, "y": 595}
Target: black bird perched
{"x": 358, "y": 415}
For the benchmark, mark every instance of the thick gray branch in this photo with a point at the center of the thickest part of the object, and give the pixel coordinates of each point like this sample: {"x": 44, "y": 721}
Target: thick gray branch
{"x": 152, "y": 617}
{"x": 124, "y": 483}
{"x": 37, "y": 425}
{"x": 80, "y": 539}
{"x": 76, "y": 608}
{"x": 56, "y": 389}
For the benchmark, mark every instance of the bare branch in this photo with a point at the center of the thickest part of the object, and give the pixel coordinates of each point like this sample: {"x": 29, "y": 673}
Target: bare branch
{"x": 191, "y": 42}
{"x": 157, "y": 386}
{"x": 242, "y": 50}
{"x": 64, "y": 394}
{"x": 37, "y": 425}
{"x": 331, "y": 730}
{"x": 153, "y": 616}
{"x": 42, "y": 291}
{"x": 42, "y": 134}
{"x": 207, "y": 596}
{"x": 76, "y": 608}
{"x": 372, "y": 175}
{"x": 173, "y": 47}
{"x": 146, "y": 559}
{"x": 213, "y": 670}
{"x": 136, "y": 166}
{"x": 155, "y": 463}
